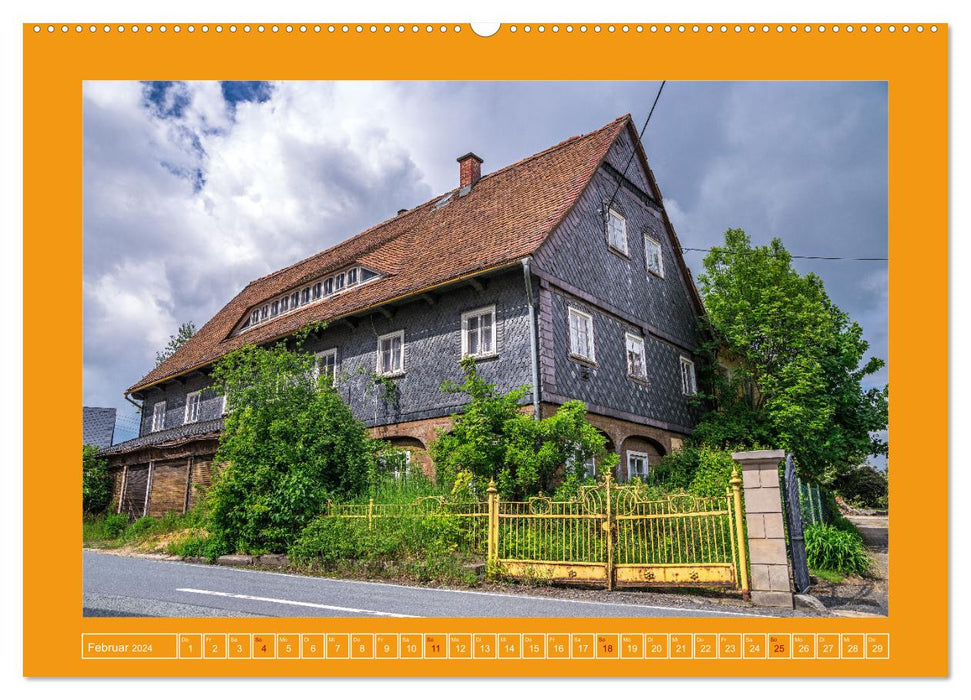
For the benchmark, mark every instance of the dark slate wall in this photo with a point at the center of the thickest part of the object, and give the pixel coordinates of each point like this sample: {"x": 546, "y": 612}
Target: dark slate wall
{"x": 98, "y": 426}
{"x": 432, "y": 350}
{"x": 605, "y": 382}
{"x": 577, "y": 253}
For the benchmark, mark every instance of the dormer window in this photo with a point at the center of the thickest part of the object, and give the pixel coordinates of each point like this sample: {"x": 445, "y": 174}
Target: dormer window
{"x": 313, "y": 291}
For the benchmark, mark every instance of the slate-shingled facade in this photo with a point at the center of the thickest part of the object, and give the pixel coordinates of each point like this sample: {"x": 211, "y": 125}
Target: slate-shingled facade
{"x": 527, "y": 250}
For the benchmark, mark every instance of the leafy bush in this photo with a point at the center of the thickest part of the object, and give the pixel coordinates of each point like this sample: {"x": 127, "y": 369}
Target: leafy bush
{"x": 835, "y": 549}
{"x": 698, "y": 470}
{"x": 494, "y": 439}
{"x": 290, "y": 444}
{"x": 95, "y": 481}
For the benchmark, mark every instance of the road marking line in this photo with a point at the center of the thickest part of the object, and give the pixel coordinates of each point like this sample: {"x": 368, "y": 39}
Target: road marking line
{"x": 320, "y": 606}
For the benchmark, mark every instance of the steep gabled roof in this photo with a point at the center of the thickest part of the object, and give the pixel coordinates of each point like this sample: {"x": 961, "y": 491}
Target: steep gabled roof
{"x": 505, "y": 217}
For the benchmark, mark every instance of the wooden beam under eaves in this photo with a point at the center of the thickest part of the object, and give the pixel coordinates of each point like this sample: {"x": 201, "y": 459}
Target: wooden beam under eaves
{"x": 476, "y": 284}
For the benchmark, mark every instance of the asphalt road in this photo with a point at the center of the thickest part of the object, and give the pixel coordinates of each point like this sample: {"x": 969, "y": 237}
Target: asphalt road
{"x": 120, "y": 586}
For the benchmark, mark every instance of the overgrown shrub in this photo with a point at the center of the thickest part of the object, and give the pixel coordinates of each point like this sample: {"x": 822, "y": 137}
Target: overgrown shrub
{"x": 290, "y": 444}
{"x": 698, "y": 470}
{"x": 863, "y": 487}
{"x": 494, "y": 439}
{"x": 95, "y": 481}
{"x": 835, "y": 549}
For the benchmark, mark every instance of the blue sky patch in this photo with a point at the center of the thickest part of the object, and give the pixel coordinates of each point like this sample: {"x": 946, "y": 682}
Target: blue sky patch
{"x": 235, "y": 91}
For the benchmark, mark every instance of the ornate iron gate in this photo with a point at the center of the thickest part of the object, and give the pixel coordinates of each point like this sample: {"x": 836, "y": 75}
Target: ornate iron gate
{"x": 797, "y": 544}
{"x": 617, "y": 536}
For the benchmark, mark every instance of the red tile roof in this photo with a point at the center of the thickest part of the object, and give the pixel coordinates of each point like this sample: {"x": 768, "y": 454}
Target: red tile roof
{"x": 506, "y": 216}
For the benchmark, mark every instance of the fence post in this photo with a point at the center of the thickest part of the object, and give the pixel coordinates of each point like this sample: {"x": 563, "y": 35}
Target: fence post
{"x": 492, "y": 545}
{"x": 609, "y": 526}
{"x": 370, "y": 514}
{"x": 736, "y": 483}
{"x": 770, "y": 584}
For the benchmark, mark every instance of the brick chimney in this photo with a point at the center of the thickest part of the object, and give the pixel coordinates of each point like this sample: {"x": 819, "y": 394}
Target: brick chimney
{"x": 470, "y": 169}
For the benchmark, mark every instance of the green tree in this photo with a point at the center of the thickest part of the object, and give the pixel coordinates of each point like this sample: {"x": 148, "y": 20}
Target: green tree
{"x": 95, "y": 481}
{"x": 186, "y": 331}
{"x": 494, "y": 439}
{"x": 797, "y": 363}
{"x": 289, "y": 445}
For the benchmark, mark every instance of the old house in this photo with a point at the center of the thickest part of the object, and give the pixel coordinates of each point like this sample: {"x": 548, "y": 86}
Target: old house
{"x": 526, "y": 269}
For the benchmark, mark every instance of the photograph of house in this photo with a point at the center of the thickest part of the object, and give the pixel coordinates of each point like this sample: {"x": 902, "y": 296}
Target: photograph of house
{"x": 561, "y": 271}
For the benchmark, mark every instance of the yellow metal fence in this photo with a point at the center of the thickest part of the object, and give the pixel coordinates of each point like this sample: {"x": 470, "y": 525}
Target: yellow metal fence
{"x": 608, "y": 534}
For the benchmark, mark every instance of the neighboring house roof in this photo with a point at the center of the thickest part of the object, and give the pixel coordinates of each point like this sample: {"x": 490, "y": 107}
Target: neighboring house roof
{"x": 98, "y": 426}
{"x": 505, "y": 217}
{"x": 172, "y": 436}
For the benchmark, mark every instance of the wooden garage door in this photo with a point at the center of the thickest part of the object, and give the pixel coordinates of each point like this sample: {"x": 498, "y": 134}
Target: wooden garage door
{"x": 136, "y": 485}
{"x": 168, "y": 487}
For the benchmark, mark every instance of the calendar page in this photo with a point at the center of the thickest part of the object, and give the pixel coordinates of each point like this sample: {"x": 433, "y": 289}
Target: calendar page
{"x": 543, "y": 349}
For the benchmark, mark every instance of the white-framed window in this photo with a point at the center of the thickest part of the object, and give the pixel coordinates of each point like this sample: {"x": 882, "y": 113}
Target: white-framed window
{"x": 479, "y": 332}
{"x": 325, "y": 365}
{"x": 652, "y": 253}
{"x": 636, "y": 357}
{"x": 193, "y": 400}
{"x": 391, "y": 353}
{"x": 689, "y": 386}
{"x": 581, "y": 334}
{"x": 158, "y": 416}
{"x": 617, "y": 231}
{"x": 637, "y": 465}
{"x": 589, "y": 465}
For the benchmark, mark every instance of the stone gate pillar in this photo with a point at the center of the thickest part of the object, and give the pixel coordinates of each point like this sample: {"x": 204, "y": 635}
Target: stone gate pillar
{"x": 766, "y": 532}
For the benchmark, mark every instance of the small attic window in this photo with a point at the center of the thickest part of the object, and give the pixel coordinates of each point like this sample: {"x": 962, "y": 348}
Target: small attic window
{"x": 444, "y": 200}
{"x": 316, "y": 290}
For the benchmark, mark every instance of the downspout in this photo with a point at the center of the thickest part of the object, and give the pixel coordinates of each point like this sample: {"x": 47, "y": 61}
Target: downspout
{"x": 533, "y": 353}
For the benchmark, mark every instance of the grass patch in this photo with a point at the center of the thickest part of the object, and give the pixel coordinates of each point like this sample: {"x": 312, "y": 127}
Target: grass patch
{"x": 830, "y": 548}
{"x": 164, "y": 534}
{"x": 827, "y": 575}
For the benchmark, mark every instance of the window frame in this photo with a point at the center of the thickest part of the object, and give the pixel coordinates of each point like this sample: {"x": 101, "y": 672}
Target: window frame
{"x": 197, "y": 395}
{"x": 688, "y": 365}
{"x": 592, "y": 357}
{"x": 158, "y": 416}
{"x": 318, "y": 356}
{"x": 628, "y": 336}
{"x": 638, "y": 455}
{"x": 479, "y": 313}
{"x": 648, "y": 242}
{"x": 378, "y": 363}
{"x": 614, "y": 215}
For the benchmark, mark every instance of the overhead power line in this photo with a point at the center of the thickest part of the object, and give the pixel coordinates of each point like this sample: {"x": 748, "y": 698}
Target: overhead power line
{"x": 801, "y": 257}
{"x": 640, "y": 137}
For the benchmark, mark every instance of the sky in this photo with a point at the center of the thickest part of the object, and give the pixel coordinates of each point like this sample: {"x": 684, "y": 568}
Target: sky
{"x": 191, "y": 190}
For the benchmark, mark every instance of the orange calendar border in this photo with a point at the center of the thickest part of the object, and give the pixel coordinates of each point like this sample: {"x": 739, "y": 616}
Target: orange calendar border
{"x": 915, "y": 65}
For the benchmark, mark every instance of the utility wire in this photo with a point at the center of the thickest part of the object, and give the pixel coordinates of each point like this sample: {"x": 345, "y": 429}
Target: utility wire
{"x": 633, "y": 150}
{"x": 801, "y": 257}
